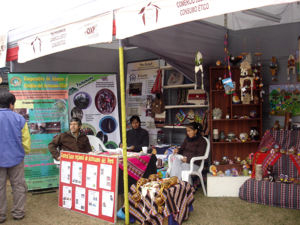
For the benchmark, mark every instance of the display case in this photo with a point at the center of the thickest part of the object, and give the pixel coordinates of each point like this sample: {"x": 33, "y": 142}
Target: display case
{"x": 235, "y": 127}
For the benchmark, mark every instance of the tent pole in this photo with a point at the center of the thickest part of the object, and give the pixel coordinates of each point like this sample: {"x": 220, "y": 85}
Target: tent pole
{"x": 124, "y": 142}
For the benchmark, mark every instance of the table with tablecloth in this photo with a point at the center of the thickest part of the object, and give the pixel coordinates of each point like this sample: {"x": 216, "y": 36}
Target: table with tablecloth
{"x": 178, "y": 201}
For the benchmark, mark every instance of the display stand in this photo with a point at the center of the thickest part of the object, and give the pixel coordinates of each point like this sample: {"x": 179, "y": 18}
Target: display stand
{"x": 89, "y": 184}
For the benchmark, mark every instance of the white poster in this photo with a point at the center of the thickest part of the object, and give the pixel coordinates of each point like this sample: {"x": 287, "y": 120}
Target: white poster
{"x": 105, "y": 176}
{"x": 91, "y": 176}
{"x": 152, "y": 15}
{"x": 80, "y": 198}
{"x": 107, "y": 203}
{"x": 77, "y": 173}
{"x": 90, "y": 31}
{"x": 93, "y": 98}
{"x": 140, "y": 79}
{"x": 3, "y": 50}
{"x": 93, "y": 202}
{"x": 65, "y": 172}
{"x": 67, "y": 197}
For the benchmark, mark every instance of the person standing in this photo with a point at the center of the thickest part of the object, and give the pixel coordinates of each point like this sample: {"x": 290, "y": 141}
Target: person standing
{"x": 74, "y": 140}
{"x": 14, "y": 143}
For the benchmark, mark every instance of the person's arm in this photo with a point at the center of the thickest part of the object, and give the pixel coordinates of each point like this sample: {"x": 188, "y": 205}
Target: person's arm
{"x": 52, "y": 146}
{"x": 26, "y": 142}
{"x": 87, "y": 145}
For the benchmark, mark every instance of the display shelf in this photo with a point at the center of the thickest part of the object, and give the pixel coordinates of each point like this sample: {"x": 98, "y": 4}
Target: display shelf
{"x": 192, "y": 85}
{"x": 218, "y": 99}
{"x": 174, "y": 127}
{"x": 236, "y": 119}
{"x": 167, "y": 67}
{"x": 185, "y": 106}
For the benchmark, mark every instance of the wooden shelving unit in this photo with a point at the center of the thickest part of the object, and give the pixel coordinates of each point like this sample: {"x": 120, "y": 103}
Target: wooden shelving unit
{"x": 218, "y": 99}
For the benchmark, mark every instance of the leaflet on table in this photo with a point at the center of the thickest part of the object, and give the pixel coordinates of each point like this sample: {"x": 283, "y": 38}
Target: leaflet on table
{"x": 93, "y": 202}
{"x": 65, "y": 172}
{"x": 67, "y": 197}
{"x": 91, "y": 176}
{"x": 105, "y": 176}
{"x": 77, "y": 173}
{"x": 80, "y": 198}
{"x": 107, "y": 203}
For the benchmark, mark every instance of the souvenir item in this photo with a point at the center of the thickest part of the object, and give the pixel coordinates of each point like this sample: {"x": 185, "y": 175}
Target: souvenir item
{"x": 230, "y": 136}
{"x": 199, "y": 68}
{"x": 217, "y": 113}
{"x": 274, "y": 68}
{"x": 246, "y": 65}
{"x": 158, "y": 105}
{"x": 291, "y": 66}
{"x": 175, "y": 78}
{"x": 258, "y": 172}
{"x": 197, "y": 96}
{"x": 236, "y": 99}
{"x": 258, "y": 59}
{"x": 276, "y": 125}
{"x": 298, "y": 60}
{"x": 218, "y": 63}
{"x": 228, "y": 172}
{"x": 235, "y": 59}
{"x": 215, "y": 135}
{"x": 222, "y": 135}
{"x": 213, "y": 170}
{"x": 229, "y": 86}
{"x": 243, "y": 137}
{"x": 234, "y": 172}
{"x": 191, "y": 115}
{"x": 254, "y": 135}
{"x": 244, "y": 87}
{"x": 256, "y": 99}
{"x": 246, "y": 98}
{"x": 180, "y": 116}
{"x": 219, "y": 85}
{"x": 253, "y": 114}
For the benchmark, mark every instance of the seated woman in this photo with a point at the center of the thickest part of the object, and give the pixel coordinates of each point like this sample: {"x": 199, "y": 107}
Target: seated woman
{"x": 193, "y": 145}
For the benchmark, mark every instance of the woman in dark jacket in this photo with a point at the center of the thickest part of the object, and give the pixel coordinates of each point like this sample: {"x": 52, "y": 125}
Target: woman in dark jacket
{"x": 193, "y": 145}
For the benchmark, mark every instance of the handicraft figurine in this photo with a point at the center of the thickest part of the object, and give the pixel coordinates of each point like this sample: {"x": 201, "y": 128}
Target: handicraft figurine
{"x": 274, "y": 68}
{"x": 270, "y": 173}
{"x": 291, "y": 66}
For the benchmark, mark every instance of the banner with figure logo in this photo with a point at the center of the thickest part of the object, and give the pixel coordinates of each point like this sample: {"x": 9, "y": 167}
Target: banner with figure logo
{"x": 43, "y": 101}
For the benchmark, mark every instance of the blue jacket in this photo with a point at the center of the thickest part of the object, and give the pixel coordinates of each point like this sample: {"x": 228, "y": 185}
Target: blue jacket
{"x": 14, "y": 136}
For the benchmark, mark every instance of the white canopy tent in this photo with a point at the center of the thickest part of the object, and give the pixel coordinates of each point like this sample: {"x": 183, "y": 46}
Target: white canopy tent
{"x": 81, "y": 10}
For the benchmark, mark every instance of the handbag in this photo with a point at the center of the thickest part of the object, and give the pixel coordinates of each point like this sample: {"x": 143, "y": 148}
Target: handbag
{"x": 197, "y": 96}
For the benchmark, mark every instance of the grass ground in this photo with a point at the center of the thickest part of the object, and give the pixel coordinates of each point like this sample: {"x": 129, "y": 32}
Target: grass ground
{"x": 42, "y": 209}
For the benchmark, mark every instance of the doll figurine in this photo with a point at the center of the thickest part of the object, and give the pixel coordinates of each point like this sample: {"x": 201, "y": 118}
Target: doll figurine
{"x": 270, "y": 173}
{"x": 274, "y": 68}
{"x": 291, "y": 66}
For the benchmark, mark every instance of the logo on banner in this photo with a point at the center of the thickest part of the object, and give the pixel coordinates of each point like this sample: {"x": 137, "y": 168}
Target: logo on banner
{"x": 15, "y": 81}
{"x": 37, "y": 45}
{"x": 149, "y": 12}
{"x": 132, "y": 77}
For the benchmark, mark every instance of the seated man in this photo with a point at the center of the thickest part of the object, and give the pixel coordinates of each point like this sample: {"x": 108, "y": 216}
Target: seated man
{"x": 73, "y": 140}
{"x": 137, "y": 137}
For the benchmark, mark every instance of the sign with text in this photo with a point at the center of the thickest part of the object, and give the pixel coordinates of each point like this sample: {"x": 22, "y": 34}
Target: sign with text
{"x": 42, "y": 99}
{"x": 89, "y": 184}
{"x": 152, "y": 15}
{"x": 90, "y": 31}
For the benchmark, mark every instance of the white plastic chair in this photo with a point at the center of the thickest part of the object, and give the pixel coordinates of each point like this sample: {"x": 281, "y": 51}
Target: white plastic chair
{"x": 97, "y": 145}
{"x": 186, "y": 174}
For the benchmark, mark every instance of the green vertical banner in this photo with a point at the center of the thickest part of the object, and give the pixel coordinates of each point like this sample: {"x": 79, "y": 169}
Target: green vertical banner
{"x": 43, "y": 101}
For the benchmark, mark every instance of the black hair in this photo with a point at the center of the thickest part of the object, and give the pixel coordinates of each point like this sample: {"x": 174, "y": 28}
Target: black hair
{"x": 135, "y": 117}
{"x": 75, "y": 119}
{"x": 6, "y": 98}
{"x": 196, "y": 126}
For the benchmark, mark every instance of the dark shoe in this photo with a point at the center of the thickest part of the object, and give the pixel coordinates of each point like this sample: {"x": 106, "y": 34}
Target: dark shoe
{"x": 19, "y": 218}
{"x": 2, "y": 220}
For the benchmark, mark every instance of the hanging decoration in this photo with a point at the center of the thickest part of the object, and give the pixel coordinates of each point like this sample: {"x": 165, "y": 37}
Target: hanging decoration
{"x": 291, "y": 66}
{"x": 227, "y": 81}
{"x": 298, "y": 60}
{"x": 274, "y": 68}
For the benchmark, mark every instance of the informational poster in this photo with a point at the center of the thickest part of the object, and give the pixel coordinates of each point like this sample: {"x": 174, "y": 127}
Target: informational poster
{"x": 43, "y": 101}
{"x": 96, "y": 194}
{"x": 140, "y": 79}
{"x": 93, "y": 98}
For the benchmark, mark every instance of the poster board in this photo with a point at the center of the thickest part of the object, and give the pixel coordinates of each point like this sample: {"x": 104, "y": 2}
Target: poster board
{"x": 140, "y": 79}
{"x": 93, "y": 98}
{"x": 284, "y": 98}
{"x": 42, "y": 99}
{"x": 89, "y": 184}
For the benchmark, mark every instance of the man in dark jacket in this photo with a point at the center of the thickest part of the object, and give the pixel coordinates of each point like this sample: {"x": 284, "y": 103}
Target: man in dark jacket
{"x": 73, "y": 140}
{"x": 137, "y": 137}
